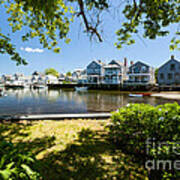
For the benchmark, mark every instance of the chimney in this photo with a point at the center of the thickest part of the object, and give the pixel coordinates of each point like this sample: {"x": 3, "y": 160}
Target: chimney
{"x": 125, "y": 62}
{"x": 172, "y": 56}
{"x": 131, "y": 63}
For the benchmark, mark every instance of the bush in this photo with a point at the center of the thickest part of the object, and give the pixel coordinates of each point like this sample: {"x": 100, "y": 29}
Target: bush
{"x": 148, "y": 133}
{"x": 16, "y": 165}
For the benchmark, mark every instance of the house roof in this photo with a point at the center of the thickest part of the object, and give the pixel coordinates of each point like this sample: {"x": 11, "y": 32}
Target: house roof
{"x": 35, "y": 73}
{"x": 99, "y": 62}
{"x": 78, "y": 70}
{"x": 141, "y": 63}
{"x": 18, "y": 74}
{"x": 51, "y": 77}
{"x": 111, "y": 66}
{"x": 172, "y": 59}
{"x": 117, "y": 62}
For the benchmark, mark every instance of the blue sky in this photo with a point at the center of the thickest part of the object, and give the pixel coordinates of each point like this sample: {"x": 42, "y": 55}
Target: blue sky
{"x": 81, "y": 50}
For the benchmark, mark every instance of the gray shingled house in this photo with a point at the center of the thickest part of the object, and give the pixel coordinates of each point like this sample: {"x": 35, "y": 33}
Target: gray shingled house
{"x": 141, "y": 73}
{"x": 95, "y": 72}
{"x": 169, "y": 73}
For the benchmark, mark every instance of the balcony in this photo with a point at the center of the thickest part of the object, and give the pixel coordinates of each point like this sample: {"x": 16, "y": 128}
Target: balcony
{"x": 111, "y": 73}
{"x": 139, "y": 74}
{"x": 111, "y": 82}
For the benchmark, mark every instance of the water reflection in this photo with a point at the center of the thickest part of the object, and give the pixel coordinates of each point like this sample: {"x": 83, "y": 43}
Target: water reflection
{"x": 43, "y": 101}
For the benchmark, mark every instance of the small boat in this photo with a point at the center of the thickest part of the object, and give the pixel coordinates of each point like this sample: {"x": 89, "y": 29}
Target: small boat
{"x": 39, "y": 86}
{"x": 81, "y": 88}
{"x": 135, "y": 95}
{"x": 140, "y": 94}
{"x": 27, "y": 86}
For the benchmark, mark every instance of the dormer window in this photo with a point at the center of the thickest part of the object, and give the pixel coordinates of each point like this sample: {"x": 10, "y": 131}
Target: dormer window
{"x": 172, "y": 68}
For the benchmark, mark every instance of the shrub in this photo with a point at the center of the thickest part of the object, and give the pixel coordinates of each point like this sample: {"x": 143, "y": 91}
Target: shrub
{"x": 148, "y": 132}
{"x": 16, "y": 165}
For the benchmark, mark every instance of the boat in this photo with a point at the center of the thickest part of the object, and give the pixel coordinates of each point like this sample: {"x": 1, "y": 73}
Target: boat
{"x": 81, "y": 88}
{"x": 135, "y": 95}
{"x": 140, "y": 94}
{"x": 145, "y": 94}
{"x": 39, "y": 86}
{"x": 26, "y": 86}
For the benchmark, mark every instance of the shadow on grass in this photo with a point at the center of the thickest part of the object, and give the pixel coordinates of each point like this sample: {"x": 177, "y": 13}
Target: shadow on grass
{"x": 10, "y": 131}
{"x": 90, "y": 157}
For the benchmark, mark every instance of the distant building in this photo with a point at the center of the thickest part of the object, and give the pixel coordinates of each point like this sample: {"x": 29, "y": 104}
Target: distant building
{"x": 6, "y": 78}
{"x": 115, "y": 72}
{"x": 38, "y": 78}
{"x": 61, "y": 78}
{"x": 17, "y": 79}
{"x": 79, "y": 76}
{"x": 76, "y": 74}
{"x": 50, "y": 79}
{"x": 169, "y": 73}
{"x": 141, "y": 73}
{"x": 95, "y": 72}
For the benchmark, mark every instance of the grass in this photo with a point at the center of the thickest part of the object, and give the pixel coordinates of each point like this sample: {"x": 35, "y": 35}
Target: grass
{"x": 72, "y": 149}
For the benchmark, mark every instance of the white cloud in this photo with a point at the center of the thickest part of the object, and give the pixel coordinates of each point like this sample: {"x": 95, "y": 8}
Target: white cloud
{"x": 35, "y": 50}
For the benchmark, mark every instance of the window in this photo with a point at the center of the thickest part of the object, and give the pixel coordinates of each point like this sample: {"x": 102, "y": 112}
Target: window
{"x": 169, "y": 76}
{"x": 143, "y": 69}
{"x": 161, "y": 76}
{"x": 172, "y": 68}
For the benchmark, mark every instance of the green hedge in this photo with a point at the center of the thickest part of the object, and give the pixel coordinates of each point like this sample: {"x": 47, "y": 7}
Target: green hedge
{"x": 149, "y": 134}
{"x": 16, "y": 164}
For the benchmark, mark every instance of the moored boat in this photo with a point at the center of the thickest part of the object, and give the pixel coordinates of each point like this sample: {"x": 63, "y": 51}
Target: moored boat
{"x": 39, "y": 86}
{"x": 140, "y": 94}
{"x": 135, "y": 95}
{"x": 81, "y": 88}
{"x": 145, "y": 94}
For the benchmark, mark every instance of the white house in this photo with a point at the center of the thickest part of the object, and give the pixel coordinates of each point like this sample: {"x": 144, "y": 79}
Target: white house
{"x": 76, "y": 74}
{"x": 50, "y": 79}
{"x": 38, "y": 78}
{"x": 115, "y": 72}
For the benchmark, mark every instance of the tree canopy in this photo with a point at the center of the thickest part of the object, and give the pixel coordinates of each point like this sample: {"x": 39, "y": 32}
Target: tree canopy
{"x": 52, "y": 71}
{"x": 50, "y": 20}
{"x": 68, "y": 73}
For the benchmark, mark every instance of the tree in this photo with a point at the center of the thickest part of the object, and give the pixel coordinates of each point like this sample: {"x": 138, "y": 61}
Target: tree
{"x": 69, "y": 74}
{"x": 50, "y": 20}
{"x": 156, "y": 75}
{"x": 52, "y": 71}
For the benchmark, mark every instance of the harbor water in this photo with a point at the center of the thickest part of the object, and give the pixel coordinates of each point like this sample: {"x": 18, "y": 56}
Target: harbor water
{"x": 44, "y": 101}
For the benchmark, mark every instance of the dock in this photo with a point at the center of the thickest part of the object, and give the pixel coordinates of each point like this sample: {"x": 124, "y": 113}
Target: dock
{"x": 119, "y": 87}
{"x": 57, "y": 116}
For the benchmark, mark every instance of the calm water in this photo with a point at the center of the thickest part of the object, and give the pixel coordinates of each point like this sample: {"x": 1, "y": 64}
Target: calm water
{"x": 25, "y": 101}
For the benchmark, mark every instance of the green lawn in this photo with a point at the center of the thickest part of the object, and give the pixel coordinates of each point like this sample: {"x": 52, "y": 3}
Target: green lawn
{"x": 72, "y": 149}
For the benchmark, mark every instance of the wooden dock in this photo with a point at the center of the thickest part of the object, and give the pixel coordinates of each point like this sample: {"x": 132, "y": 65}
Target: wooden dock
{"x": 58, "y": 116}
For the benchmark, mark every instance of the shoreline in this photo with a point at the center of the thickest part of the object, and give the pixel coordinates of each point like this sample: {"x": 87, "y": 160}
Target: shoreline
{"x": 57, "y": 116}
{"x": 167, "y": 95}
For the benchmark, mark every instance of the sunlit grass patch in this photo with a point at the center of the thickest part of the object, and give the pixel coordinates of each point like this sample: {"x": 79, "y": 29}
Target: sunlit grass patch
{"x": 73, "y": 149}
